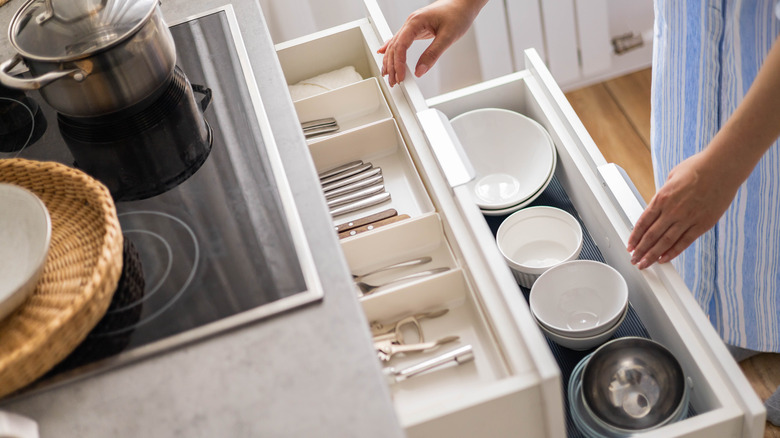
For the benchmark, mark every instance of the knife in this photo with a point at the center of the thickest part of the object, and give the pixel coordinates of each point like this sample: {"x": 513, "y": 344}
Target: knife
{"x": 313, "y": 132}
{"x": 359, "y": 205}
{"x": 354, "y": 178}
{"x": 346, "y": 173}
{"x": 339, "y": 169}
{"x": 356, "y": 196}
{"x": 354, "y": 186}
{"x": 373, "y": 226}
{"x": 366, "y": 220}
{"x": 318, "y": 122}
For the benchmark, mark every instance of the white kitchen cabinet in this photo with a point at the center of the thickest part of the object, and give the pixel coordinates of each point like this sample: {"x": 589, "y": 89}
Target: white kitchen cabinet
{"x": 579, "y": 38}
{"x": 573, "y": 37}
{"x": 514, "y": 385}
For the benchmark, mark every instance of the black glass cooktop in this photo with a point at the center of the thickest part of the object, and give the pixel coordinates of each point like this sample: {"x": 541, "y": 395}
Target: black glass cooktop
{"x": 220, "y": 246}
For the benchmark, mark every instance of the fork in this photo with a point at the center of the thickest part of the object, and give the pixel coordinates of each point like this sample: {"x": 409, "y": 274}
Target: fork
{"x": 366, "y": 288}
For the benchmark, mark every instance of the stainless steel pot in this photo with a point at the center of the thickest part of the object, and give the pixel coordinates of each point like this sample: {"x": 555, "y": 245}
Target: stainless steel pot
{"x": 91, "y": 57}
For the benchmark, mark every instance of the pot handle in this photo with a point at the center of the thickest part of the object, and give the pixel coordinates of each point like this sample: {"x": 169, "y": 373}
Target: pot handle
{"x": 49, "y": 13}
{"x": 204, "y": 103}
{"x": 33, "y": 83}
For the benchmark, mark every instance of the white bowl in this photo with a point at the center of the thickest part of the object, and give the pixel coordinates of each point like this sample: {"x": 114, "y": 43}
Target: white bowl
{"x": 535, "y": 239}
{"x": 574, "y": 335}
{"x": 526, "y": 202}
{"x": 579, "y": 298}
{"x": 512, "y": 155}
{"x": 583, "y": 343}
{"x": 25, "y": 233}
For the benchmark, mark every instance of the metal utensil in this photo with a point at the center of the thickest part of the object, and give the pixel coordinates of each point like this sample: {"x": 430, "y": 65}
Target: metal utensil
{"x": 457, "y": 356}
{"x": 359, "y": 205}
{"x": 352, "y": 179}
{"x": 345, "y": 174}
{"x": 339, "y": 169}
{"x": 380, "y": 328}
{"x": 363, "y": 221}
{"x": 313, "y": 132}
{"x": 311, "y": 124}
{"x": 356, "y": 196}
{"x": 633, "y": 384}
{"x": 317, "y": 127}
{"x": 373, "y": 226}
{"x": 386, "y": 351}
{"x": 405, "y": 264}
{"x": 366, "y": 288}
{"x": 370, "y": 181}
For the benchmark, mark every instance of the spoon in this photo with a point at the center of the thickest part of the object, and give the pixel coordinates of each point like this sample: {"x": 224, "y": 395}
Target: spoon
{"x": 366, "y": 288}
{"x": 406, "y": 264}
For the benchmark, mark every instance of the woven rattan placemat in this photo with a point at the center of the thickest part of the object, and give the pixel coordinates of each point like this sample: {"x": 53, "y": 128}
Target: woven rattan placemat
{"x": 81, "y": 272}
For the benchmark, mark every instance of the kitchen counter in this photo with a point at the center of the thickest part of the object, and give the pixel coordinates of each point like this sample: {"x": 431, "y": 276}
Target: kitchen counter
{"x": 309, "y": 372}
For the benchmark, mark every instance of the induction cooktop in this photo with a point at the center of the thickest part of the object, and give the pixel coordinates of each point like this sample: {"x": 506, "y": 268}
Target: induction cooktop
{"x": 222, "y": 248}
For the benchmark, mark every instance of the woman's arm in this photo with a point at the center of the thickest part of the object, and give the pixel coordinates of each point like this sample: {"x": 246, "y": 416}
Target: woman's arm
{"x": 700, "y": 189}
{"x": 445, "y": 21}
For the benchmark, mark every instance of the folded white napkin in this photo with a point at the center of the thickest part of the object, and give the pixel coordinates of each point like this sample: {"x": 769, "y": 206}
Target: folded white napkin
{"x": 17, "y": 426}
{"x": 324, "y": 82}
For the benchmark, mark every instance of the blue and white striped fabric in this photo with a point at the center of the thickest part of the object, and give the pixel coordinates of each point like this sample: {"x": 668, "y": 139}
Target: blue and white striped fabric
{"x": 706, "y": 55}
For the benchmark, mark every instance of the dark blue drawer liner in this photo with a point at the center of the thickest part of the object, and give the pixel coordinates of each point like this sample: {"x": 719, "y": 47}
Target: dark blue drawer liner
{"x": 555, "y": 196}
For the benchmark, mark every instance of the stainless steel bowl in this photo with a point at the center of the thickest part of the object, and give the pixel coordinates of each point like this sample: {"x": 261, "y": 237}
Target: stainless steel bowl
{"x": 634, "y": 384}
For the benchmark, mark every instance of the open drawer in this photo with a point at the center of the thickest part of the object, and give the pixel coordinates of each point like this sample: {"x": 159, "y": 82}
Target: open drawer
{"x": 514, "y": 386}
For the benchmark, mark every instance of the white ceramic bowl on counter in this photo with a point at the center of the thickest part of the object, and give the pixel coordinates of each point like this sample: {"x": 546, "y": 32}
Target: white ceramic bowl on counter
{"x": 535, "y": 239}
{"x": 580, "y": 298}
{"x": 25, "y": 234}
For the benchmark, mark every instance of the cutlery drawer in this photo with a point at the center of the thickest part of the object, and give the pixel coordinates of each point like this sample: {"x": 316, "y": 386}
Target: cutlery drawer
{"x": 381, "y": 145}
{"x": 514, "y": 386}
{"x": 352, "y": 106}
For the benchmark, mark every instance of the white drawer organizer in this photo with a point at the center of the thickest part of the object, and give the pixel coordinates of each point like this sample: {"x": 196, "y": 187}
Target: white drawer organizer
{"x": 514, "y": 386}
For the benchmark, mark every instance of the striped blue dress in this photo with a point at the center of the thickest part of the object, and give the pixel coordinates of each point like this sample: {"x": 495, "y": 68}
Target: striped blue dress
{"x": 706, "y": 55}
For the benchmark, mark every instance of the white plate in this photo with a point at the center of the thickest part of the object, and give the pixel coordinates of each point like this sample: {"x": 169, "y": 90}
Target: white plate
{"x": 25, "y": 233}
{"x": 512, "y": 155}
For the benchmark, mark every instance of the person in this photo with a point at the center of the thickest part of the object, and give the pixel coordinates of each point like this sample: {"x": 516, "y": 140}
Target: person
{"x": 714, "y": 141}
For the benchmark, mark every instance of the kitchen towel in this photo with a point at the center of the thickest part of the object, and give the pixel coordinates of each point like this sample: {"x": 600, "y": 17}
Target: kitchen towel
{"x": 324, "y": 82}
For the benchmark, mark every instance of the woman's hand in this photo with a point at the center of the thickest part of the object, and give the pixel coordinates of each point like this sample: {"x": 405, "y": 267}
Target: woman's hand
{"x": 700, "y": 189}
{"x": 445, "y": 21}
{"x": 696, "y": 194}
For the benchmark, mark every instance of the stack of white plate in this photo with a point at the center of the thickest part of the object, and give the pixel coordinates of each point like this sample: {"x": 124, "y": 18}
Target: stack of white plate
{"x": 513, "y": 156}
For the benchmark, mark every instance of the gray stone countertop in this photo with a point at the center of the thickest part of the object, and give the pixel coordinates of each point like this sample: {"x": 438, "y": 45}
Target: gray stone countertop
{"x": 311, "y": 372}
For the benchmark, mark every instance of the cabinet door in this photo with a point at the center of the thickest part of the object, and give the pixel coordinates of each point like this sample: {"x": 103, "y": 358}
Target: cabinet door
{"x": 576, "y": 37}
{"x": 593, "y": 32}
{"x": 525, "y": 29}
{"x": 560, "y": 33}
{"x": 484, "y": 52}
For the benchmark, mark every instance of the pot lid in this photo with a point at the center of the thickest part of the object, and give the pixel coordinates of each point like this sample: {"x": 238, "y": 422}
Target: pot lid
{"x": 59, "y": 30}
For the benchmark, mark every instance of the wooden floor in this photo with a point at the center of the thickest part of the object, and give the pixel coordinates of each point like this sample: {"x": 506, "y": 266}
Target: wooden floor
{"x": 616, "y": 113}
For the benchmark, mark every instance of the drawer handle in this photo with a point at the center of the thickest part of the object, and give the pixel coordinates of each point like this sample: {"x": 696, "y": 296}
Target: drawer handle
{"x": 446, "y": 147}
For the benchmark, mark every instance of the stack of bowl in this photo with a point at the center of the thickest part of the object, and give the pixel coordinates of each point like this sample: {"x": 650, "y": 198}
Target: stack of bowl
{"x": 627, "y": 386}
{"x": 513, "y": 157}
{"x": 579, "y": 304}
{"x": 535, "y": 239}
